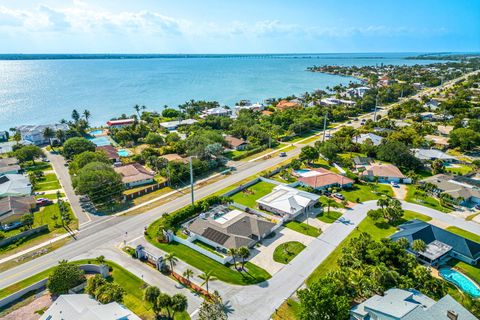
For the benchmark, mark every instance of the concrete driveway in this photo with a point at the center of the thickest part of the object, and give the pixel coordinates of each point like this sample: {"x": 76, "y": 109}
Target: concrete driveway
{"x": 262, "y": 255}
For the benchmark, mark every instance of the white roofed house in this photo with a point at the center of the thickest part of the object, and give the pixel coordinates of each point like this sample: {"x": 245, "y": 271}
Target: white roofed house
{"x": 218, "y": 111}
{"x": 34, "y": 133}
{"x": 14, "y": 185}
{"x": 362, "y": 138}
{"x": 288, "y": 201}
{"x": 173, "y": 125}
{"x": 357, "y": 92}
{"x": 336, "y": 102}
{"x": 432, "y": 104}
{"x": 427, "y": 155}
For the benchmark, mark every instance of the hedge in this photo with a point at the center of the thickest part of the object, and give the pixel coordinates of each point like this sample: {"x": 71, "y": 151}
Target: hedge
{"x": 248, "y": 153}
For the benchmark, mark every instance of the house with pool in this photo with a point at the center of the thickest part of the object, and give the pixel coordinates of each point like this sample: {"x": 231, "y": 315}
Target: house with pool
{"x": 224, "y": 228}
{"x": 288, "y": 202}
{"x": 442, "y": 245}
{"x": 321, "y": 179}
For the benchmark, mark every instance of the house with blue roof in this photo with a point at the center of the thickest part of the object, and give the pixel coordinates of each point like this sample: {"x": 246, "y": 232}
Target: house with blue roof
{"x": 442, "y": 245}
{"x": 399, "y": 304}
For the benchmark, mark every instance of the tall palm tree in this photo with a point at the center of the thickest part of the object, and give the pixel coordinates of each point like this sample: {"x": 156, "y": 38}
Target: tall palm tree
{"x": 330, "y": 201}
{"x": 137, "y": 109}
{"x": 243, "y": 253}
{"x": 418, "y": 245}
{"x": 75, "y": 115}
{"x": 48, "y": 133}
{"x": 171, "y": 259}
{"x": 188, "y": 274}
{"x": 232, "y": 252}
{"x": 60, "y": 135}
{"x": 86, "y": 114}
{"x": 17, "y": 136}
{"x": 207, "y": 277}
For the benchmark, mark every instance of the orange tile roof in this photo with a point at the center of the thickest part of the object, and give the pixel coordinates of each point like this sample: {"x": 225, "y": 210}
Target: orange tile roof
{"x": 284, "y": 105}
{"x": 325, "y": 178}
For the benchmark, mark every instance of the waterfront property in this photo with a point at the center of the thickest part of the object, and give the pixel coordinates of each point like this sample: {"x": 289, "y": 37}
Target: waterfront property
{"x": 173, "y": 125}
{"x": 285, "y": 105}
{"x": 362, "y": 138}
{"x": 442, "y": 245}
{"x": 322, "y": 179}
{"x": 463, "y": 190}
{"x": 357, "y": 92}
{"x": 336, "y": 102}
{"x": 14, "y": 185}
{"x": 9, "y": 166}
{"x": 218, "y": 111}
{"x": 33, "y": 134}
{"x": 223, "y": 228}
{"x": 13, "y": 208}
{"x": 400, "y": 304}
{"x": 384, "y": 173}
{"x": 82, "y": 306}
{"x": 134, "y": 175}
{"x": 288, "y": 201}
{"x": 120, "y": 123}
{"x": 426, "y": 155}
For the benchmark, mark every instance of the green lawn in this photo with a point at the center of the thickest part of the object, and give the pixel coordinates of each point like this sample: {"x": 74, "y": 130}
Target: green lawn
{"x": 249, "y": 196}
{"x": 364, "y": 192}
{"x": 416, "y": 195}
{"x": 48, "y": 182}
{"x": 472, "y": 272}
{"x": 39, "y": 166}
{"x": 47, "y": 214}
{"x": 134, "y": 287}
{"x": 462, "y": 169}
{"x": 464, "y": 233}
{"x": 206, "y": 247}
{"x": 51, "y": 196}
{"x": 329, "y": 217}
{"x": 324, "y": 164}
{"x": 289, "y": 310}
{"x": 285, "y": 252}
{"x": 377, "y": 230}
{"x": 303, "y": 228}
{"x": 254, "y": 275}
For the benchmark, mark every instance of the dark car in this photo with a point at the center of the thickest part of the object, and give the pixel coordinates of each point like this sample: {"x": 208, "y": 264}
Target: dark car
{"x": 477, "y": 206}
{"x": 43, "y": 202}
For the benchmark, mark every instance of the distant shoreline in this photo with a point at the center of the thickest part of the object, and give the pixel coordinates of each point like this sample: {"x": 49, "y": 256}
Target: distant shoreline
{"x": 120, "y": 56}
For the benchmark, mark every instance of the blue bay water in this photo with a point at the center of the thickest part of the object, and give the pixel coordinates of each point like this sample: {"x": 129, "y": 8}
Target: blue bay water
{"x": 45, "y": 91}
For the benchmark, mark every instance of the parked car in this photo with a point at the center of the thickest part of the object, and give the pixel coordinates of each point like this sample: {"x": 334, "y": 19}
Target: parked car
{"x": 394, "y": 184}
{"x": 84, "y": 198}
{"x": 44, "y": 202}
{"x": 477, "y": 206}
{"x": 283, "y": 154}
{"x": 339, "y": 196}
{"x": 39, "y": 193}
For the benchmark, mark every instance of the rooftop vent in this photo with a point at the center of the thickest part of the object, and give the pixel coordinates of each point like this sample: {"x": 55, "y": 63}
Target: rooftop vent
{"x": 452, "y": 315}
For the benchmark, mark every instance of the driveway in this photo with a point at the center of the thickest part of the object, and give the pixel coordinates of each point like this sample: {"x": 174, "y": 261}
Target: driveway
{"x": 401, "y": 192}
{"x": 262, "y": 255}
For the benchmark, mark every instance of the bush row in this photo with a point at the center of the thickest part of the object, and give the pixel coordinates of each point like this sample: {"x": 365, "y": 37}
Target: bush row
{"x": 248, "y": 153}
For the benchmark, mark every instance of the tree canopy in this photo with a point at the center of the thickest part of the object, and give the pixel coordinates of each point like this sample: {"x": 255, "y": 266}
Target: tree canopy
{"x": 77, "y": 145}
{"x": 65, "y": 276}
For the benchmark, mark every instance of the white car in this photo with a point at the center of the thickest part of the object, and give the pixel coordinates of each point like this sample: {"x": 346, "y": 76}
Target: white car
{"x": 394, "y": 184}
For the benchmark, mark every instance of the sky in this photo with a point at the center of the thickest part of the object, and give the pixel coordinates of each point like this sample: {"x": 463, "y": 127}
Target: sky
{"x": 238, "y": 26}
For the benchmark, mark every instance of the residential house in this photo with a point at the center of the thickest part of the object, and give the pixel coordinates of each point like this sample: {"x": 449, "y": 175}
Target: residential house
{"x": 384, "y": 173}
{"x": 110, "y": 151}
{"x": 255, "y": 107}
{"x": 400, "y": 304}
{"x": 385, "y": 81}
{"x": 235, "y": 143}
{"x": 283, "y": 105}
{"x": 134, "y": 175}
{"x": 33, "y": 134}
{"x": 463, "y": 190}
{"x": 322, "y": 179}
{"x": 288, "y": 201}
{"x": 9, "y": 166}
{"x": 441, "y": 245}
{"x": 362, "y": 162}
{"x": 427, "y": 115}
{"x": 218, "y": 111}
{"x": 84, "y": 307}
{"x": 15, "y": 185}
{"x": 6, "y": 147}
{"x": 438, "y": 141}
{"x": 444, "y": 130}
{"x": 427, "y": 155}
{"x": 173, "y": 125}
{"x": 336, "y": 102}
{"x": 4, "y": 136}
{"x": 174, "y": 157}
{"x": 418, "y": 85}
{"x": 267, "y": 113}
{"x": 120, "y": 123}
{"x": 233, "y": 229}
{"x": 357, "y": 92}
{"x": 363, "y": 137}
{"x": 432, "y": 105}
{"x": 13, "y": 208}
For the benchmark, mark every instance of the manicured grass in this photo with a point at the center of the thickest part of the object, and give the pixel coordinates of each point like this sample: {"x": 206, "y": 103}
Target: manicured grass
{"x": 195, "y": 259}
{"x": 39, "y": 166}
{"x": 303, "y": 228}
{"x": 324, "y": 164}
{"x": 47, "y": 214}
{"x": 207, "y": 247}
{"x": 249, "y": 196}
{"x": 462, "y": 169}
{"x": 329, "y": 217}
{"x": 48, "y": 182}
{"x": 464, "y": 233}
{"x": 285, "y": 252}
{"x": 51, "y": 196}
{"x": 473, "y": 272}
{"x": 289, "y": 310}
{"x": 416, "y": 195}
{"x": 364, "y": 192}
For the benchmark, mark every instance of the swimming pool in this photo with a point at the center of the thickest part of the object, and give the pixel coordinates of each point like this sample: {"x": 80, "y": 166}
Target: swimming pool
{"x": 100, "y": 141}
{"x": 302, "y": 171}
{"x": 123, "y": 153}
{"x": 461, "y": 281}
{"x": 95, "y": 132}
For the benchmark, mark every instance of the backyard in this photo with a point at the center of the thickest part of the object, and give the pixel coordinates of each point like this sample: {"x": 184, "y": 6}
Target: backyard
{"x": 250, "y": 195}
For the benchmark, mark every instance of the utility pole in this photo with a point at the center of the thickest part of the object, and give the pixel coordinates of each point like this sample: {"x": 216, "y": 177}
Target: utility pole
{"x": 191, "y": 181}
{"x": 324, "y": 125}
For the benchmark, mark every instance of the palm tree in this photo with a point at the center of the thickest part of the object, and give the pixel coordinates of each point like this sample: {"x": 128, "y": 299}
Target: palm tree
{"x": 75, "y": 115}
{"x": 17, "y": 136}
{"x": 48, "y": 133}
{"x": 243, "y": 253}
{"x": 60, "y": 135}
{"x": 171, "y": 259}
{"x": 330, "y": 201}
{"x": 86, "y": 114}
{"x": 207, "y": 277}
{"x": 232, "y": 252}
{"x": 100, "y": 260}
{"x": 151, "y": 295}
{"x": 188, "y": 274}
{"x": 137, "y": 109}
{"x": 418, "y": 245}
{"x": 179, "y": 303}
